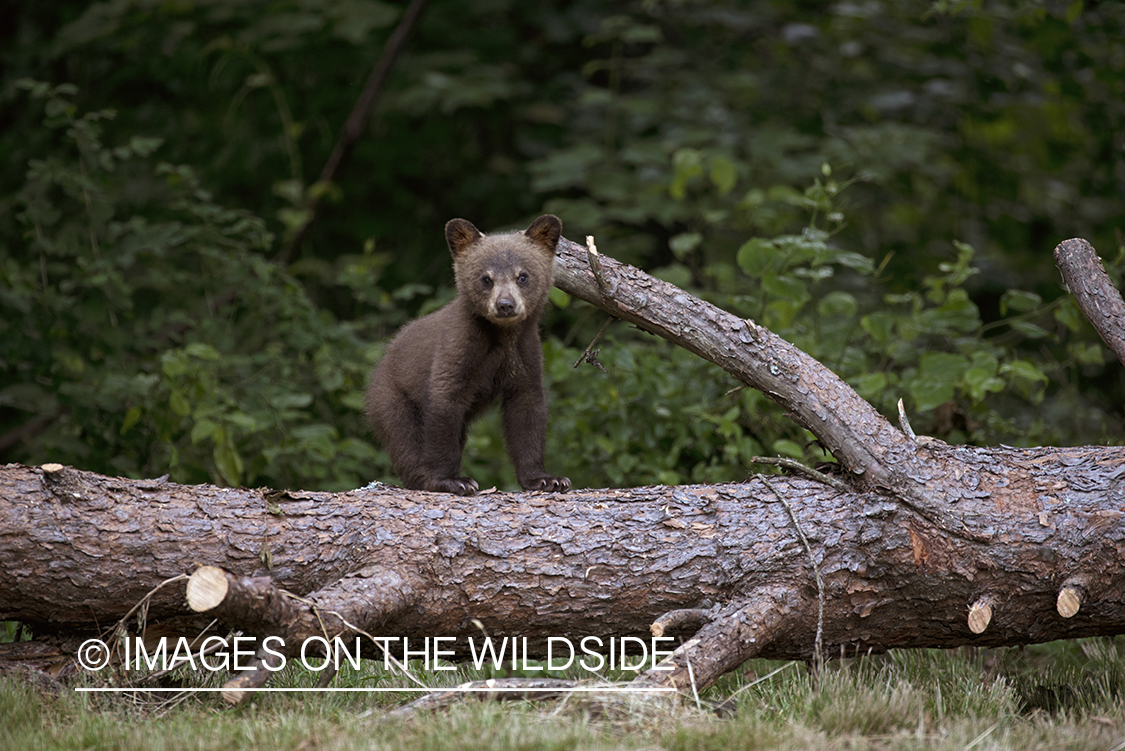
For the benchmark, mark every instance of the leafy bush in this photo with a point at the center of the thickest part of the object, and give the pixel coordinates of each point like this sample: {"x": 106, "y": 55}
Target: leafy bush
{"x": 143, "y": 332}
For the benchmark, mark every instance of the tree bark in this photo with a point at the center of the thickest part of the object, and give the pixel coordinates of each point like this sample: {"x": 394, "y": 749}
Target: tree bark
{"x": 937, "y": 545}
{"x": 1092, "y": 288}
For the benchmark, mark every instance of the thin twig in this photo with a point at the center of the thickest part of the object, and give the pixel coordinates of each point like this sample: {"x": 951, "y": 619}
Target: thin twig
{"x": 819, "y": 642}
{"x": 591, "y": 354}
{"x": 387, "y": 656}
{"x": 796, "y": 466}
{"x": 143, "y": 603}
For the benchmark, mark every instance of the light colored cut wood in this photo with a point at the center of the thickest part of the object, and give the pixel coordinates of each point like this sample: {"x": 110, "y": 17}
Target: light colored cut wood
{"x": 1070, "y": 600}
{"x": 207, "y": 588}
{"x": 980, "y": 615}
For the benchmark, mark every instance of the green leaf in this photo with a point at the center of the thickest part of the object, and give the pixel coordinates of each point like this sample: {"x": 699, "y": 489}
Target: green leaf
{"x": 755, "y": 257}
{"x": 1019, "y": 301}
{"x": 789, "y": 289}
{"x": 356, "y": 19}
{"x": 869, "y": 385}
{"x": 1068, "y": 315}
{"x": 293, "y": 218}
{"x": 172, "y": 364}
{"x": 684, "y": 243}
{"x": 1025, "y": 371}
{"x": 292, "y": 190}
{"x": 724, "y": 175}
{"x": 855, "y": 261}
{"x": 942, "y": 366}
{"x": 203, "y": 429}
{"x": 837, "y": 306}
{"x": 936, "y": 379}
{"x": 786, "y": 447}
{"x": 1073, "y": 11}
{"x": 1087, "y": 353}
{"x": 675, "y": 274}
{"x": 292, "y": 401}
{"x": 228, "y": 462}
{"x": 242, "y": 420}
{"x": 1030, "y": 330}
{"x": 203, "y": 351}
{"x": 144, "y": 146}
{"x": 687, "y": 164}
{"x": 928, "y": 394}
{"x": 179, "y": 404}
{"x": 879, "y": 326}
{"x": 132, "y": 417}
{"x": 353, "y": 400}
{"x": 981, "y": 381}
{"x": 56, "y": 107}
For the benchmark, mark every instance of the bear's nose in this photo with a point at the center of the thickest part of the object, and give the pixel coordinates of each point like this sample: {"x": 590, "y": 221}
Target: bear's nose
{"x": 505, "y": 307}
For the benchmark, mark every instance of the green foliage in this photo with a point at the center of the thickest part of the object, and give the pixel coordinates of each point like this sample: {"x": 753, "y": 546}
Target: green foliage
{"x": 13, "y": 631}
{"x": 638, "y": 424}
{"x": 145, "y": 329}
{"x": 153, "y": 337}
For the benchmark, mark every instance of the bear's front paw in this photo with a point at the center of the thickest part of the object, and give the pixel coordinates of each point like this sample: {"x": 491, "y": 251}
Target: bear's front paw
{"x": 549, "y": 484}
{"x": 455, "y": 485}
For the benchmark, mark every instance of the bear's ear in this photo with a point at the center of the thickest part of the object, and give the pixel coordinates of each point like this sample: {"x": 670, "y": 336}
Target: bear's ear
{"x": 460, "y": 234}
{"x": 545, "y": 231}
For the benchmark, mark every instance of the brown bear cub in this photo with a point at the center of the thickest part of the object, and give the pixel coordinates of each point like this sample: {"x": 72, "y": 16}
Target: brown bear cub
{"x": 444, "y": 369}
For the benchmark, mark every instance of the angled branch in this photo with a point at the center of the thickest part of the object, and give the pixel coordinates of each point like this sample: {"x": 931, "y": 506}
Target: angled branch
{"x": 1093, "y": 290}
{"x": 876, "y": 454}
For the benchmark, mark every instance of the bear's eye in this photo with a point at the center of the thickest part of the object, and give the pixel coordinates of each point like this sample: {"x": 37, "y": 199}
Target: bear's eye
{"x": 486, "y": 281}
{"x": 522, "y": 278}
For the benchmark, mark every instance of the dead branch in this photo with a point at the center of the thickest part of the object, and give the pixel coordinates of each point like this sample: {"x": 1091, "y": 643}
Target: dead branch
{"x": 1093, "y": 290}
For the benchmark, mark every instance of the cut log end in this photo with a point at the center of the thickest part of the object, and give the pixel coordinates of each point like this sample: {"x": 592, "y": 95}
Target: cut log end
{"x": 234, "y": 696}
{"x": 207, "y": 588}
{"x": 980, "y": 615}
{"x": 1070, "y": 600}
{"x": 262, "y": 667}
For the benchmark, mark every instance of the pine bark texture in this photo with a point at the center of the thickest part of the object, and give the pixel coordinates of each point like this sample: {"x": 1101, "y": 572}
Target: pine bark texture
{"x": 1092, "y": 288}
{"x": 600, "y": 562}
{"x": 931, "y": 533}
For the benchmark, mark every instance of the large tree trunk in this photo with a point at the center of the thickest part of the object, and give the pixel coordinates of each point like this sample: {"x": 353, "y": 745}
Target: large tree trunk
{"x": 935, "y": 546}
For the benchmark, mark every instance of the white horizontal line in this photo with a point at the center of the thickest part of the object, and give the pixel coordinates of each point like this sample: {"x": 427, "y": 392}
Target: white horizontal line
{"x": 456, "y": 689}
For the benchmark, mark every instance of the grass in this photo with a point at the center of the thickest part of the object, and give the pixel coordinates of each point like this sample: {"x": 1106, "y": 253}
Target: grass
{"x": 1066, "y": 695}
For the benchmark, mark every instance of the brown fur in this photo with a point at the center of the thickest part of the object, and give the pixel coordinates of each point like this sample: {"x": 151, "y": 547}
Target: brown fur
{"x": 443, "y": 369}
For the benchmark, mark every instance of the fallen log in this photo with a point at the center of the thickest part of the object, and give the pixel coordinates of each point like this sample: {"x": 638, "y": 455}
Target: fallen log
{"x": 936, "y": 545}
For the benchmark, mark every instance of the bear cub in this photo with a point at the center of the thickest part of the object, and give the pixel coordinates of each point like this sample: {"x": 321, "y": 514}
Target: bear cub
{"x": 442, "y": 370}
